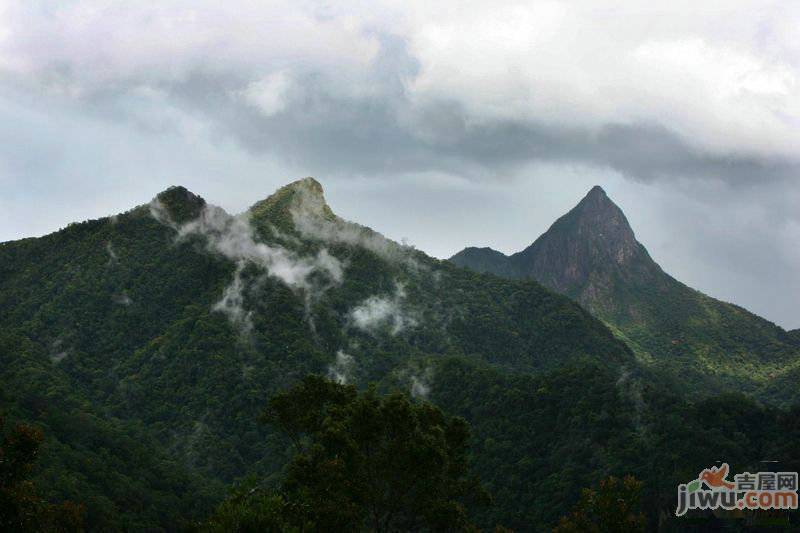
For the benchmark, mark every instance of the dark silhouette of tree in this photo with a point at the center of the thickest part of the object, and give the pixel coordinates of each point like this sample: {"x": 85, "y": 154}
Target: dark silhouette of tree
{"x": 21, "y": 509}
{"x": 362, "y": 462}
{"x": 614, "y": 507}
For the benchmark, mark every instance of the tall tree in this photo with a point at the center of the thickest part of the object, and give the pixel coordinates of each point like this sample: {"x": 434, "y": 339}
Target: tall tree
{"x": 363, "y": 462}
{"x": 21, "y": 509}
{"x": 614, "y": 507}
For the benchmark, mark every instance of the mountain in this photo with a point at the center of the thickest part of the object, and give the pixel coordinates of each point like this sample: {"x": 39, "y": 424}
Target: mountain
{"x": 146, "y": 345}
{"x": 592, "y": 256}
{"x": 486, "y": 260}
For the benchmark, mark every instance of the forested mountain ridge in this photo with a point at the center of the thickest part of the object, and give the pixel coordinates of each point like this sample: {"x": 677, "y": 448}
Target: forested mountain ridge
{"x": 591, "y": 255}
{"x": 146, "y": 345}
{"x": 166, "y": 328}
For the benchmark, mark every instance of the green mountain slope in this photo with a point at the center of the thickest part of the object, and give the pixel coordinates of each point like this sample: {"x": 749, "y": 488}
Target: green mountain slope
{"x": 170, "y": 325}
{"x": 540, "y": 438}
{"x": 591, "y": 255}
{"x": 113, "y": 466}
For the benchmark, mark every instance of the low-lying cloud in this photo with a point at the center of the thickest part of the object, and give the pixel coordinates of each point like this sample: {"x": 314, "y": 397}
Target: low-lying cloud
{"x": 123, "y": 299}
{"x": 420, "y": 386}
{"x": 113, "y": 258}
{"x": 232, "y": 302}
{"x": 311, "y": 220}
{"x": 377, "y": 312}
{"x": 234, "y": 238}
{"x": 341, "y": 370}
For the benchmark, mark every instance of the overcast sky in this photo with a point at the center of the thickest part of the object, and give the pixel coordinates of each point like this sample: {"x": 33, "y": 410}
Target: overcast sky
{"x": 445, "y": 123}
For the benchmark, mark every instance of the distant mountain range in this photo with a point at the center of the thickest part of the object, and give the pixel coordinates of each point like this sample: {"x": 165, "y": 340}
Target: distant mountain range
{"x": 146, "y": 345}
{"x": 592, "y": 256}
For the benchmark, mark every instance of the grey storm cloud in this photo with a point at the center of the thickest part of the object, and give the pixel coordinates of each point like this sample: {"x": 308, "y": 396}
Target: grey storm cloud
{"x": 385, "y": 133}
{"x": 363, "y": 94}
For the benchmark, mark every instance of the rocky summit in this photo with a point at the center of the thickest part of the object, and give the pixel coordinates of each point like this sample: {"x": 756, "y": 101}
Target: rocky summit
{"x": 591, "y": 255}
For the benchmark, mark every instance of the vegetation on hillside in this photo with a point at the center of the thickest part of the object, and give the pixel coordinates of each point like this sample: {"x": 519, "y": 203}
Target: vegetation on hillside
{"x": 145, "y": 346}
{"x": 362, "y": 462}
{"x": 22, "y": 509}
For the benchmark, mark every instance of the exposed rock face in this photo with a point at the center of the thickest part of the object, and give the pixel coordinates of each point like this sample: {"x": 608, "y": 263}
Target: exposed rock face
{"x": 587, "y": 254}
{"x": 304, "y": 196}
{"x": 591, "y": 255}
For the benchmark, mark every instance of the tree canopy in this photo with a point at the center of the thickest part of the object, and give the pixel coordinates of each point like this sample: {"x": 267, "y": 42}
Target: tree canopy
{"x": 21, "y": 508}
{"x": 362, "y": 462}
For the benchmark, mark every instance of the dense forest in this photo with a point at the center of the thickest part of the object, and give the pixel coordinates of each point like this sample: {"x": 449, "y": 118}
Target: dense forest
{"x": 154, "y": 351}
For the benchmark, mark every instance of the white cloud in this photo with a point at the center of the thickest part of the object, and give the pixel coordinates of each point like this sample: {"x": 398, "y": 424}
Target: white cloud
{"x": 710, "y": 74}
{"x": 310, "y": 219}
{"x": 234, "y": 238}
{"x": 113, "y": 258}
{"x": 232, "y": 302}
{"x": 123, "y": 299}
{"x": 341, "y": 371}
{"x": 269, "y": 94}
{"x": 99, "y": 43}
{"x": 380, "y": 311}
{"x": 420, "y": 386}
{"x": 724, "y": 76}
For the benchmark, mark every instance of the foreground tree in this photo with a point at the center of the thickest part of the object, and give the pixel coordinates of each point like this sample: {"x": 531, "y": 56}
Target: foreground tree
{"x": 362, "y": 462}
{"x": 614, "y": 507}
{"x": 21, "y": 509}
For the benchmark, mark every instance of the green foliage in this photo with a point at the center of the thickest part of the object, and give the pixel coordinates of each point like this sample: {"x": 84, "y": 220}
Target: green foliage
{"x": 361, "y": 462}
{"x": 538, "y": 440}
{"x": 180, "y": 204}
{"x": 21, "y": 508}
{"x": 116, "y": 469}
{"x": 614, "y": 507}
{"x": 252, "y": 509}
{"x": 365, "y": 461}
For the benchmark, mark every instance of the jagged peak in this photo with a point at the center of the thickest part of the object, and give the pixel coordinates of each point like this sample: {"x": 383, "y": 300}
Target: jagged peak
{"x": 304, "y": 195}
{"x": 592, "y": 237}
{"x": 596, "y": 192}
{"x": 597, "y": 197}
{"x": 308, "y": 185}
{"x": 597, "y": 211}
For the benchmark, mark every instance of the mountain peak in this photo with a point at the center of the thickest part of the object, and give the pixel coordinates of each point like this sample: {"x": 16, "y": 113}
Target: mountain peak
{"x": 180, "y": 203}
{"x": 596, "y": 214}
{"x": 596, "y": 191}
{"x": 483, "y": 260}
{"x": 597, "y": 199}
{"x": 307, "y": 184}
{"x": 588, "y": 250}
{"x": 304, "y": 195}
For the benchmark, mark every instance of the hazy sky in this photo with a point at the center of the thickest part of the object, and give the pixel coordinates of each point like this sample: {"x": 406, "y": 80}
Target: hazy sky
{"x": 445, "y": 123}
